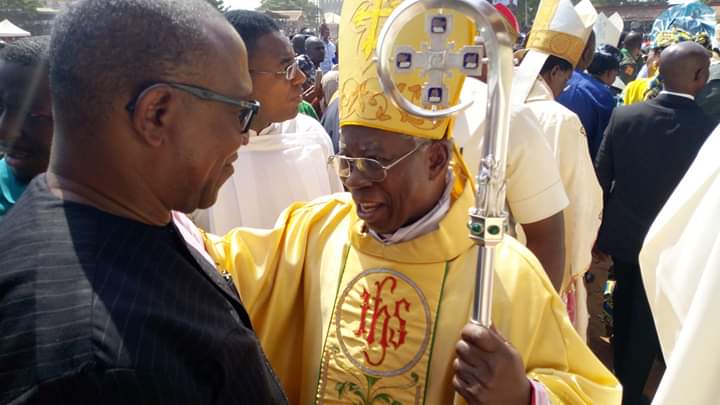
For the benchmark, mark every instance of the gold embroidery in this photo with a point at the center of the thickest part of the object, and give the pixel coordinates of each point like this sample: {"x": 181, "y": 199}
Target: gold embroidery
{"x": 378, "y": 346}
{"x": 563, "y": 45}
{"x": 356, "y": 100}
{"x": 367, "y": 21}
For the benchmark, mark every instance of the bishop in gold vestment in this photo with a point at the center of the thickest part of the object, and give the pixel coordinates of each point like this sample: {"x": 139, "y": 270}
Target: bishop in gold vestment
{"x": 360, "y": 298}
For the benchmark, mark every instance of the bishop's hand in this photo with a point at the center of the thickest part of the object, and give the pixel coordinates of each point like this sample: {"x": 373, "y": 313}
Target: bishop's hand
{"x": 488, "y": 370}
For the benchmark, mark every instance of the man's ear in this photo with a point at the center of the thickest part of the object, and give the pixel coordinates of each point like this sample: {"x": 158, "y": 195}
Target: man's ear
{"x": 150, "y": 117}
{"x": 555, "y": 71}
{"x": 439, "y": 158}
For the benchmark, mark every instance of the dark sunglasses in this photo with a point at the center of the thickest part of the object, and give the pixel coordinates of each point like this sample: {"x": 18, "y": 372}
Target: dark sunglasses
{"x": 246, "y": 116}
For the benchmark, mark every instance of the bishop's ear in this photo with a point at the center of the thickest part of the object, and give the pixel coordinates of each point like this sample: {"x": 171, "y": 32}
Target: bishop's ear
{"x": 439, "y": 158}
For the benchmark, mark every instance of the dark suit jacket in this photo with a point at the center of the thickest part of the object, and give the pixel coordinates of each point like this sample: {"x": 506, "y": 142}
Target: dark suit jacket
{"x": 646, "y": 150}
{"x": 98, "y": 309}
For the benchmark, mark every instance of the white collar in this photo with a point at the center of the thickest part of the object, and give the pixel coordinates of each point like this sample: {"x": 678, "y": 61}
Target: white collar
{"x": 428, "y": 223}
{"x": 268, "y": 130}
{"x": 540, "y": 91}
{"x": 672, "y": 93}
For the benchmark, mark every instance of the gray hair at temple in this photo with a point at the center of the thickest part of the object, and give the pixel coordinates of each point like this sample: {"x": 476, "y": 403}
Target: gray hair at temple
{"x": 28, "y": 51}
{"x": 102, "y": 50}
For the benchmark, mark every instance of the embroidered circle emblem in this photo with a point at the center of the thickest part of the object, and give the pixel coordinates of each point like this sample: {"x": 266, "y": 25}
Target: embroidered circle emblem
{"x": 383, "y": 322}
{"x": 560, "y": 44}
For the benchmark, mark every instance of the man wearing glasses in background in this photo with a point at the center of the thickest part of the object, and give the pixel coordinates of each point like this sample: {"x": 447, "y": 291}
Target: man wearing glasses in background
{"x": 285, "y": 160}
{"x": 102, "y": 301}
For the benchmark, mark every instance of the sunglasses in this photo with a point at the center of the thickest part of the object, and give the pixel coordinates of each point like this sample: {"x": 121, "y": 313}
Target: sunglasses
{"x": 249, "y": 109}
{"x": 371, "y": 169}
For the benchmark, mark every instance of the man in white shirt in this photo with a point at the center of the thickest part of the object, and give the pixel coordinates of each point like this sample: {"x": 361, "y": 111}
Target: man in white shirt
{"x": 564, "y": 133}
{"x": 286, "y": 158}
{"x": 539, "y": 80}
{"x": 330, "y": 49}
{"x": 535, "y": 194}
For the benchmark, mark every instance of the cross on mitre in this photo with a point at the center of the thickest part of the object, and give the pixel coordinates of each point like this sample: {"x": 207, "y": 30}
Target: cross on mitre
{"x": 438, "y": 59}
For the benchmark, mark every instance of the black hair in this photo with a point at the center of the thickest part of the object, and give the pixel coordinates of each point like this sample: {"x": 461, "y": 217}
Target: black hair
{"x": 28, "y": 51}
{"x": 606, "y": 58}
{"x": 104, "y": 49}
{"x": 251, "y": 25}
{"x": 553, "y": 61}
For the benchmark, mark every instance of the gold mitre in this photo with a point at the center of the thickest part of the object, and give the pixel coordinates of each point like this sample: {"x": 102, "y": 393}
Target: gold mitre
{"x": 362, "y": 101}
{"x": 559, "y": 29}
{"x": 562, "y": 30}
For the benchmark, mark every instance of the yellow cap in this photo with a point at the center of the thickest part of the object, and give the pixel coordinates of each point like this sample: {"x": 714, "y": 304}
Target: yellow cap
{"x": 362, "y": 101}
{"x": 562, "y": 29}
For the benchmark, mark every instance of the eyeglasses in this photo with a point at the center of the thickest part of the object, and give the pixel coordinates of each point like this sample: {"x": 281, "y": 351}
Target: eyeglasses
{"x": 290, "y": 72}
{"x": 248, "y": 111}
{"x": 371, "y": 169}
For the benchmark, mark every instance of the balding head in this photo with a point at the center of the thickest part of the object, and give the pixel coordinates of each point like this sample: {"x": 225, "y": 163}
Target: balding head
{"x": 633, "y": 41}
{"x": 315, "y": 49}
{"x": 298, "y": 43}
{"x": 684, "y": 67}
{"x": 151, "y": 102}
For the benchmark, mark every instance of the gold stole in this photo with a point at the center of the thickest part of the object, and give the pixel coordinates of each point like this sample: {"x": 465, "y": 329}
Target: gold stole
{"x": 379, "y": 342}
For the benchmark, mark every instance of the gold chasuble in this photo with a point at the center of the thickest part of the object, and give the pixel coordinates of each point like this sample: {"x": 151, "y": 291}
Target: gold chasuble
{"x": 345, "y": 319}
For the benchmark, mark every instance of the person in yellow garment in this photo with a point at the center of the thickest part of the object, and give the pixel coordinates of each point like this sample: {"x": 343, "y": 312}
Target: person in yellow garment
{"x": 364, "y": 297}
{"x": 637, "y": 90}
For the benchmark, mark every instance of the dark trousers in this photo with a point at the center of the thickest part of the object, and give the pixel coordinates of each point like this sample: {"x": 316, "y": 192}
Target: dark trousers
{"x": 635, "y": 343}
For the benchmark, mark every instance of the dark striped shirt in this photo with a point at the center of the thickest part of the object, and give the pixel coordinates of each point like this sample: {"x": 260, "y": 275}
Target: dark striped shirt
{"x": 95, "y": 309}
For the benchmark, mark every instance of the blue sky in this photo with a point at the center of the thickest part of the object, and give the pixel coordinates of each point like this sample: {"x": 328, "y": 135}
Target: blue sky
{"x": 246, "y": 4}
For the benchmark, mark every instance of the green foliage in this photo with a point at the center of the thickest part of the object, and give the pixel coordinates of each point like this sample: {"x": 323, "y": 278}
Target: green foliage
{"x": 219, "y": 4}
{"x": 367, "y": 396}
{"x": 9, "y": 7}
{"x": 21, "y": 12}
{"x": 310, "y": 10}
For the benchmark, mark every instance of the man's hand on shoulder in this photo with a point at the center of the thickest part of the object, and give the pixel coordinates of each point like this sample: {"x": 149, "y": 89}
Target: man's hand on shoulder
{"x": 488, "y": 370}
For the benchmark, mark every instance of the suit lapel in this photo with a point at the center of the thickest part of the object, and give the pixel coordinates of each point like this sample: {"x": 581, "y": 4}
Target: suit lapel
{"x": 223, "y": 282}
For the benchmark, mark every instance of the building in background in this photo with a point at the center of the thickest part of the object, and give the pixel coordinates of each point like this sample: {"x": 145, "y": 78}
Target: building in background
{"x": 642, "y": 13}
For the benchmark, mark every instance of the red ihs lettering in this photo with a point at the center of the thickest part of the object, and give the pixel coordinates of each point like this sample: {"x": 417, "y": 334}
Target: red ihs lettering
{"x": 389, "y": 335}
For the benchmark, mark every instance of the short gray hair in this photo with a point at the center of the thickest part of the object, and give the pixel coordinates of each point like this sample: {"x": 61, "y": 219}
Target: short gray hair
{"x": 104, "y": 49}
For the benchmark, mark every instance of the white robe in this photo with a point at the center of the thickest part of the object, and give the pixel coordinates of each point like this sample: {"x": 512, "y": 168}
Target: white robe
{"x": 680, "y": 263}
{"x": 566, "y": 137}
{"x": 284, "y": 163}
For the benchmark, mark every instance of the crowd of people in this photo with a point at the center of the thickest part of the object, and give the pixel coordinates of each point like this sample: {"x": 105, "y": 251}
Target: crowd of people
{"x": 197, "y": 208}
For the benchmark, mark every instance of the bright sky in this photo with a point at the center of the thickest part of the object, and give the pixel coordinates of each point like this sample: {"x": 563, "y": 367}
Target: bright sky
{"x": 246, "y": 4}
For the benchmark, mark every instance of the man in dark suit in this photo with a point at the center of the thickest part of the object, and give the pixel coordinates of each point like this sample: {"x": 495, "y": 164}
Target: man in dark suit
{"x": 646, "y": 150}
{"x": 101, "y": 299}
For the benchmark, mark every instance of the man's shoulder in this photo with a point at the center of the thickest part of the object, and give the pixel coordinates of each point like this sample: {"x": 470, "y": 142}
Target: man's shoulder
{"x": 626, "y": 57}
{"x": 37, "y": 223}
{"x": 631, "y": 112}
{"x": 325, "y": 207}
{"x": 552, "y": 112}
